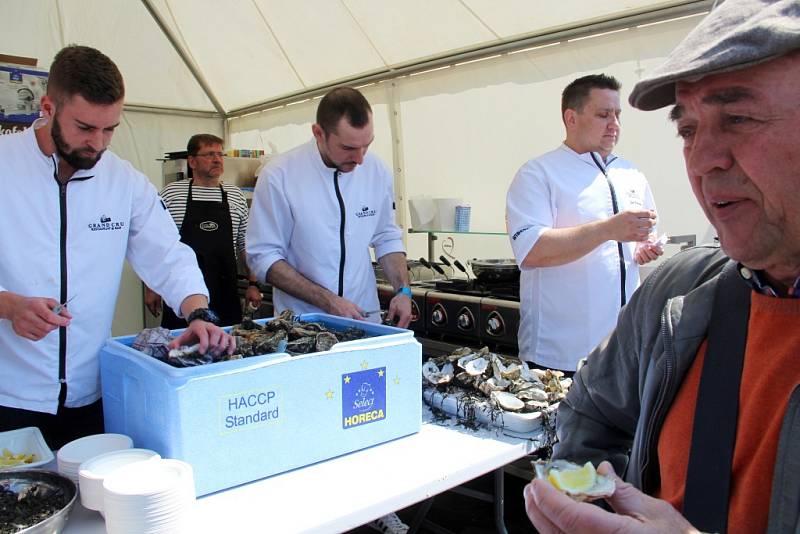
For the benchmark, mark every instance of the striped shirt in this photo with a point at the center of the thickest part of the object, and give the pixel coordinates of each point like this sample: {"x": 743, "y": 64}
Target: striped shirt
{"x": 176, "y": 193}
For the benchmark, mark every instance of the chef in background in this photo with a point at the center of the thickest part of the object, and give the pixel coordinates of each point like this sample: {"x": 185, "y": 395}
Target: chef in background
{"x": 211, "y": 216}
{"x": 581, "y": 220}
{"x": 317, "y": 210}
{"x": 71, "y": 213}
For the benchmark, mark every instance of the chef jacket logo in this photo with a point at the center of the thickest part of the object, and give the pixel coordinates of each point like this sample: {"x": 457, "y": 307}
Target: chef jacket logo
{"x": 634, "y": 200}
{"x": 363, "y": 397}
{"x": 365, "y": 212}
{"x": 106, "y": 224}
{"x": 208, "y": 226}
{"x": 516, "y": 234}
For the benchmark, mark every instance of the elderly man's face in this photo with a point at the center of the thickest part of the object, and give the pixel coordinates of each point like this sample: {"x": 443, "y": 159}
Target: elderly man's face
{"x": 741, "y": 133}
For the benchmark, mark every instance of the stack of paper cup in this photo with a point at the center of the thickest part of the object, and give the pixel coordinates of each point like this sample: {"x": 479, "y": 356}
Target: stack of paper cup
{"x": 73, "y": 454}
{"x": 462, "y": 218}
{"x": 151, "y": 497}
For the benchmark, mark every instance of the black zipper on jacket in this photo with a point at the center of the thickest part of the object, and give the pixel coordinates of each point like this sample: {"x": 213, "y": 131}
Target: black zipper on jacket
{"x": 342, "y": 251}
{"x": 649, "y": 445}
{"x": 615, "y": 207}
{"x": 62, "y": 331}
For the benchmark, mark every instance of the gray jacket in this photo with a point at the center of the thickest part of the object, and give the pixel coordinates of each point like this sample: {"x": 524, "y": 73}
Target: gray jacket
{"x": 619, "y": 399}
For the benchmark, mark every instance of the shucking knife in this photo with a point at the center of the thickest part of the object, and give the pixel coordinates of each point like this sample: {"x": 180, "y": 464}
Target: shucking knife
{"x": 58, "y": 307}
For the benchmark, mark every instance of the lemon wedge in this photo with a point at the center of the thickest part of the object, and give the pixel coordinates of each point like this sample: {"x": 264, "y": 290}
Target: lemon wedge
{"x": 578, "y": 480}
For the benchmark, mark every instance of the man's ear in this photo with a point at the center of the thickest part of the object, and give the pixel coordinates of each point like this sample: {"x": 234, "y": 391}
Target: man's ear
{"x": 319, "y": 133}
{"x": 569, "y": 117}
{"x": 48, "y": 107}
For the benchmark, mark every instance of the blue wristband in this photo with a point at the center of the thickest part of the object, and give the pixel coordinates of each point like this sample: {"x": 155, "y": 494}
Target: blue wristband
{"x": 404, "y": 291}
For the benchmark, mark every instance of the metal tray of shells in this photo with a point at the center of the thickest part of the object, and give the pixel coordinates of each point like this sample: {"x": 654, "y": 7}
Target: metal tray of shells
{"x": 492, "y": 389}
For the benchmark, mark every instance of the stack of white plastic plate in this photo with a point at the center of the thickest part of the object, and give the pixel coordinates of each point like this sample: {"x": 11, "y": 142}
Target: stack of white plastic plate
{"x": 94, "y": 471}
{"x": 73, "y": 454}
{"x": 152, "y": 497}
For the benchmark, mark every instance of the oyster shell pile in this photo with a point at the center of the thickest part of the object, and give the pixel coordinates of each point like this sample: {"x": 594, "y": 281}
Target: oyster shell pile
{"x": 508, "y": 383}
{"x": 286, "y": 333}
{"x": 581, "y": 483}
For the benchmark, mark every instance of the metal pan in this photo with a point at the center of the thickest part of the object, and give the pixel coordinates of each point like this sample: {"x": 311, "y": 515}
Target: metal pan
{"x": 495, "y": 270}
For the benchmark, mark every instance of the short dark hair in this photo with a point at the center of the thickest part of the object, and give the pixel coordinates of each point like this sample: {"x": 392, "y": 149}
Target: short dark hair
{"x": 343, "y": 102}
{"x": 85, "y": 71}
{"x": 198, "y": 140}
{"x": 576, "y": 93}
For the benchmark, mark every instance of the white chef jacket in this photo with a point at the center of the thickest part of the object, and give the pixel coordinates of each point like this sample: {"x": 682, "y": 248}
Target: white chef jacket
{"x": 108, "y": 214}
{"x": 565, "y": 311}
{"x": 296, "y": 216}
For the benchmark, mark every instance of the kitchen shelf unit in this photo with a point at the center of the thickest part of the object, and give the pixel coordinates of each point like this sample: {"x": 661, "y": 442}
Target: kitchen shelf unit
{"x": 432, "y": 236}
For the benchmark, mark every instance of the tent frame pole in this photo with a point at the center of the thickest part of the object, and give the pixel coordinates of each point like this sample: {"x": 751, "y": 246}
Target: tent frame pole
{"x": 187, "y": 60}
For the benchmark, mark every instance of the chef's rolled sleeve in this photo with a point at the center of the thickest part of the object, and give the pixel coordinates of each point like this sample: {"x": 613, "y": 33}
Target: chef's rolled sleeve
{"x": 529, "y": 211}
{"x": 270, "y": 225}
{"x": 156, "y": 253}
{"x": 388, "y": 237}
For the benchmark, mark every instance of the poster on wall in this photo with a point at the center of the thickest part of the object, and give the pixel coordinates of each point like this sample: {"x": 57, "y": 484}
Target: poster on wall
{"x": 21, "y": 91}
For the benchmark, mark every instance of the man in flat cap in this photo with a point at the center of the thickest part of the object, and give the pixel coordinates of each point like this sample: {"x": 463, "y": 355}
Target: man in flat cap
{"x": 695, "y": 396}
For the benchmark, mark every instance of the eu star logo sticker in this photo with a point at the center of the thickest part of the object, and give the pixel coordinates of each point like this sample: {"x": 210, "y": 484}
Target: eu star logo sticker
{"x": 363, "y": 397}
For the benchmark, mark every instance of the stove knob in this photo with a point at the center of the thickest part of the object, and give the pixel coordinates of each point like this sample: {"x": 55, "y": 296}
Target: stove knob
{"x": 495, "y": 325}
{"x": 439, "y": 316}
{"x": 415, "y": 315}
{"x": 466, "y": 321}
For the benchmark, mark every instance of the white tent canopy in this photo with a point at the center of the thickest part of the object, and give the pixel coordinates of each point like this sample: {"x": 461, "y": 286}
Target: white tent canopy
{"x": 207, "y": 55}
{"x": 463, "y": 91}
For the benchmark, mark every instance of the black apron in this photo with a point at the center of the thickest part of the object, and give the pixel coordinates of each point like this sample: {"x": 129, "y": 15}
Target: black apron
{"x": 207, "y": 229}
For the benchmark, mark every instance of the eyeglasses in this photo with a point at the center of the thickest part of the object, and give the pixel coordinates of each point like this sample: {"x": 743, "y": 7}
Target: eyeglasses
{"x": 210, "y": 155}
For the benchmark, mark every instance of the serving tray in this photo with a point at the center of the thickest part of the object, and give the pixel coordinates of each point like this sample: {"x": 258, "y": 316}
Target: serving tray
{"x": 467, "y": 408}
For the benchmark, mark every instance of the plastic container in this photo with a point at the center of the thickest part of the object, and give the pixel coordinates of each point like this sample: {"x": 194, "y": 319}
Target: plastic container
{"x": 242, "y": 420}
{"x": 462, "y": 218}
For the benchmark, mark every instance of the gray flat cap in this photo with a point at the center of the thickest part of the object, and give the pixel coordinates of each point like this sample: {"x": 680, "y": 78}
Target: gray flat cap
{"x": 736, "y": 35}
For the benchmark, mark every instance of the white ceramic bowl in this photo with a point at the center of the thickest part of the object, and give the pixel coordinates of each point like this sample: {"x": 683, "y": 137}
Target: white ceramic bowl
{"x": 94, "y": 471}
{"x": 26, "y": 441}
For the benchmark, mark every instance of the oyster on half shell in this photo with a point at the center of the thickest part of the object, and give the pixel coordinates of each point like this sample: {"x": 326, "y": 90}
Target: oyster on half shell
{"x": 581, "y": 483}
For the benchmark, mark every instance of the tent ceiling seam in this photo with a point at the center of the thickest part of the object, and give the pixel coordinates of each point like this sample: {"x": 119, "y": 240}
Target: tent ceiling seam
{"x": 280, "y": 46}
{"x": 184, "y": 55}
{"x": 364, "y": 33}
{"x": 479, "y": 19}
{"x": 605, "y": 25}
{"x": 159, "y": 110}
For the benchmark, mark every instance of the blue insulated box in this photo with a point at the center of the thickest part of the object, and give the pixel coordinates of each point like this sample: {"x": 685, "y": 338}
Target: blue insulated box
{"x": 242, "y": 420}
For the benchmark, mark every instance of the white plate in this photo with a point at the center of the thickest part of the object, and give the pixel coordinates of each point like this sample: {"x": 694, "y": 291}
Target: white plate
{"x": 27, "y": 440}
{"x": 516, "y": 422}
{"x": 92, "y": 472}
{"x": 74, "y": 453}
